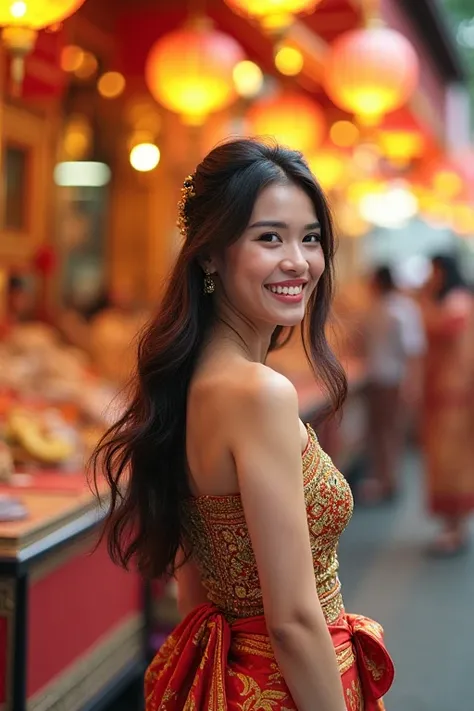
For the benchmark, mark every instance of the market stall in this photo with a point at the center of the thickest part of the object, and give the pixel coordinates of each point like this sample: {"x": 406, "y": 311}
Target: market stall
{"x": 71, "y": 623}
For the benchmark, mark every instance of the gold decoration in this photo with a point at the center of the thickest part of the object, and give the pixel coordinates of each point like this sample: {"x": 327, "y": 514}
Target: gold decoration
{"x": 187, "y": 191}
{"x": 209, "y": 283}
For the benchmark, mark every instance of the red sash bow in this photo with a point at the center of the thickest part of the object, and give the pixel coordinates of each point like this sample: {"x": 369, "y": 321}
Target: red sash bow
{"x": 193, "y": 667}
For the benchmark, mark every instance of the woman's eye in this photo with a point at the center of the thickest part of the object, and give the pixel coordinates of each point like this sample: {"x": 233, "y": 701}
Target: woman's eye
{"x": 269, "y": 237}
{"x": 312, "y": 238}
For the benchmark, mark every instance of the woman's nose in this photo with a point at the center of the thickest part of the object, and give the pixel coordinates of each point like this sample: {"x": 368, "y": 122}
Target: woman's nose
{"x": 294, "y": 261}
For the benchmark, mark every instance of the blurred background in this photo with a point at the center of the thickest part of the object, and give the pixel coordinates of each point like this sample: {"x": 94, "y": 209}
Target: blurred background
{"x": 105, "y": 107}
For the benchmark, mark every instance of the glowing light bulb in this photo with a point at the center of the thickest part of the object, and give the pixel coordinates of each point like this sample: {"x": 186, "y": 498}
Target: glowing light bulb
{"x": 18, "y": 9}
{"x": 289, "y": 61}
{"x": 248, "y": 79}
{"x": 111, "y": 85}
{"x": 145, "y": 157}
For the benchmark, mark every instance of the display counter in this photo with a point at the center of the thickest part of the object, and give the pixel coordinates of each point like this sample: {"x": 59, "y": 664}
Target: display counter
{"x": 71, "y": 623}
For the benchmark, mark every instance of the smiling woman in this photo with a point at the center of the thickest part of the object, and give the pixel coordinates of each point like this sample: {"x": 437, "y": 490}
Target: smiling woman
{"x": 228, "y": 490}
{"x": 280, "y": 252}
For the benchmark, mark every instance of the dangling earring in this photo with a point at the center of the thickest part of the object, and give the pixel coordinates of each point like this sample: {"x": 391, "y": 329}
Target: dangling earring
{"x": 209, "y": 283}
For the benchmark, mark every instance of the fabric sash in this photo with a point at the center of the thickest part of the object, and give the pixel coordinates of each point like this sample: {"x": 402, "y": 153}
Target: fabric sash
{"x": 189, "y": 671}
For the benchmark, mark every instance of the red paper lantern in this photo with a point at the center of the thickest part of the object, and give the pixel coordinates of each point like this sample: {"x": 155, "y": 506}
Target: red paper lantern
{"x": 371, "y": 72}
{"x": 189, "y": 71}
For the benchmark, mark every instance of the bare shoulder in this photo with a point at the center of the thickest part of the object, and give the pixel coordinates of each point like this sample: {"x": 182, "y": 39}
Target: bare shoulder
{"x": 253, "y": 390}
{"x": 243, "y": 385}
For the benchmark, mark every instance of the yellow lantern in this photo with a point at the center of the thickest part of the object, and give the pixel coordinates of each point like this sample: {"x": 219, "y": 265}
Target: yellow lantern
{"x": 289, "y": 118}
{"x": 36, "y": 14}
{"x": 273, "y": 13}
{"x": 190, "y": 71}
{"x": 371, "y": 72}
{"x": 21, "y": 20}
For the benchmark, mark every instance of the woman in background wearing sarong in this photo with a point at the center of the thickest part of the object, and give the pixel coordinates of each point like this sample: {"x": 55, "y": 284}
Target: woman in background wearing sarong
{"x": 447, "y": 417}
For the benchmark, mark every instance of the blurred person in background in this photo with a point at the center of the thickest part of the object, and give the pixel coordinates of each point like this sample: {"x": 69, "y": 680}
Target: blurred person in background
{"x": 448, "y": 407}
{"x": 395, "y": 344}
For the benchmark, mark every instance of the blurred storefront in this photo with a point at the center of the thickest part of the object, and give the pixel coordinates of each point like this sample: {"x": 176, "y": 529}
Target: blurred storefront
{"x": 119, "y": 101}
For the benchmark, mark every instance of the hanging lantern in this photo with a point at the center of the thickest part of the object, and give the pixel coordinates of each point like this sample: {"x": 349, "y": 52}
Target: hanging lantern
{"x": 190, "y": 71}
{"x": 273, "y": 13}
{"x": 21, "y": 20}
{"x": 291, "y": 119}
{"x": 371, "y": 72}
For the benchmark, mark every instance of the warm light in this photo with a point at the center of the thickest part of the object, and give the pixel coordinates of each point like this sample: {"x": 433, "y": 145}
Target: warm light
{"x": 18, "y": 9}
{"x": 344, "y": 134}
{"x": 357, "y": 190}
{"x": 262, "y": 9}
{"x": 36, "y": 14}
{"x": 447, "y": 183}
{"x": 71, "y": 58}
{"x": 401, "y": 146}
{"x": 289, "y": 61}
{"x": 391, "y": 208}
{"x": 139, "y": 137}
{"x": 371, "y": 72}
{"x": 190, "y": 71}
{"x": 248, "y": 79}
{"x": 145, "y": 157}
{"x": 87, "y": 67}
{"x": 366, "y": 157}
{"x": 77, "y": 138}
{"x": 291, "y": 119}
{"x": 329, "y": 167}
{"x": 276, "y": 23}
{"x": 111, "y": 85}
{"x": 438, "y": 214}
{"x": 463, "y": 219}
{"x": 85, "y": 174}
{"x": 350, "y": 222}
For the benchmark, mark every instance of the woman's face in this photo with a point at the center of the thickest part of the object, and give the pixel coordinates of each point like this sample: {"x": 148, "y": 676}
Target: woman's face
{"x": 269, "y": 273}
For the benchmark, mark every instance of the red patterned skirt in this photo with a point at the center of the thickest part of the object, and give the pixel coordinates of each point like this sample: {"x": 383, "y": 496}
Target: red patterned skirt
{"x": 208, "y": 664}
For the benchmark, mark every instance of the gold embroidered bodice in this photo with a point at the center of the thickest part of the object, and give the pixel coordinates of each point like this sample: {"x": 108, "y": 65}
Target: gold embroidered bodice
{"x": 216, "y": 529}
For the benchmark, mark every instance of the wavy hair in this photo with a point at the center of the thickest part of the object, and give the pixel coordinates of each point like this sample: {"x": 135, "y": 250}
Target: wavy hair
{"x": 143, "y": 455}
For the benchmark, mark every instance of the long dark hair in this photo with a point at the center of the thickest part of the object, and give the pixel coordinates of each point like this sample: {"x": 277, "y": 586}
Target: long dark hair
{"x": 143, "y": 455}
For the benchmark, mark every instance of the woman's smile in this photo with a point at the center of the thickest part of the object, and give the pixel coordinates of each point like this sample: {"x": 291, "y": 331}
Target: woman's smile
{"x": 289, "y": 291}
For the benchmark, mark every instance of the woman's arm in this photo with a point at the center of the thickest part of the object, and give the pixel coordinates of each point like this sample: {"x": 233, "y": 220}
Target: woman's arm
{"x": 267, "y": 451}
{"x": 191, "y": 592}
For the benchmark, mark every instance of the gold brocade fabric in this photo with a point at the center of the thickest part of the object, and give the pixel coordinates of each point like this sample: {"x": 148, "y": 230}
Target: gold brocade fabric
{"x": 216, "y": 529}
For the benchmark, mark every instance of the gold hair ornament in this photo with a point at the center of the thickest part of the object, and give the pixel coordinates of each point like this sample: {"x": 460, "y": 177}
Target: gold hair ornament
{"x": 187, "y": 191}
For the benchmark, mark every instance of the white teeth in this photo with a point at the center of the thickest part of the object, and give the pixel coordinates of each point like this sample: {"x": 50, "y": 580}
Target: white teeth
{"x": 287, "y": 290}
